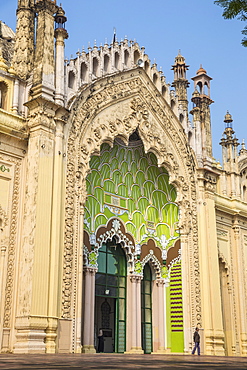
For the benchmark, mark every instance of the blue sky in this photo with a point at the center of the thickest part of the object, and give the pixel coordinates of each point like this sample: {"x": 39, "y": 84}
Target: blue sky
{"x": 196, "y": 27}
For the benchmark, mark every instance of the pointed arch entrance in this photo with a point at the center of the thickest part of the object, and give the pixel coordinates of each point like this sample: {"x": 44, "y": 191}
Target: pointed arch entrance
{"x": 130, "y": 207}
{"x": 117, "y": 108}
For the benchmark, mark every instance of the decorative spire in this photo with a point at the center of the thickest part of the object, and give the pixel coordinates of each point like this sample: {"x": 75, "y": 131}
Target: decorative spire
{"x": 228, "y": 119}
{"x": 114, "y": 35}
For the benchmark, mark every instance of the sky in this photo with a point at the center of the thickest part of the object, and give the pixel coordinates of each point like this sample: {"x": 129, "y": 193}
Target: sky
{"x": 163, "y": 27}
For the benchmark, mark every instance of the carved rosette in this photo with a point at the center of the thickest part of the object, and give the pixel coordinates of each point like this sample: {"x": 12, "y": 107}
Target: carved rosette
{"x": 161, "y": 133}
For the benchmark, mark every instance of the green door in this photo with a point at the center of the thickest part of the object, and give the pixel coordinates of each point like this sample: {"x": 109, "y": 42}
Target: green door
{"x": 146, "y": 309}
{"x": 110, "y": 283}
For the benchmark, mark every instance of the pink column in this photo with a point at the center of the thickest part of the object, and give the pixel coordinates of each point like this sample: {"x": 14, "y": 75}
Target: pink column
{"x": 138, "y": 314}
{"x": 88, "y": 324}
{"x": 92, "y": 276}
{"x": 160, "y": 284}
{"x": 133, "y": 313}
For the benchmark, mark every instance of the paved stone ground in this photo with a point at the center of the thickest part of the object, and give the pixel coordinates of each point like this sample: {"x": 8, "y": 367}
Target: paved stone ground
{"x": 118, "y": 361}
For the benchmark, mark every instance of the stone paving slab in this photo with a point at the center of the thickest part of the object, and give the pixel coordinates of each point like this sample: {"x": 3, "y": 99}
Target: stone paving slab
{"x": 119, "y": 361}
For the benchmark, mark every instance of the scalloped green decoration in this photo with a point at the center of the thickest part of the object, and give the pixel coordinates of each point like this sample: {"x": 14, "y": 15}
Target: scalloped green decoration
{"x": 92, "y": 258}
{"x": 164, "y": 272}
{"x": 127, "y": 183}
{"x": 138, "y": 267}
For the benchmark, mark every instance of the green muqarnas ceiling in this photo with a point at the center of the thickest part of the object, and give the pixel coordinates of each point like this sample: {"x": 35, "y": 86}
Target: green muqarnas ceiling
{"x": 127, "y": 183}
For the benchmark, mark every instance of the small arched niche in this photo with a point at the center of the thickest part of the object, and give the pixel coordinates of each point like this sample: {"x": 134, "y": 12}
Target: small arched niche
{"x": 95, "y": 67}
{"x": 146, "y": 66}
{"x": 117, "y": 61}
{"x": 106, "y": 63}
{"x": 136, "y": 56}
{"x": 155, "y": 79}
{"x": 206, "y": 89}
{"x": 71, "y": 82}
{"x": 84, "y": 73}
{"x": 199, "y": 87}
{"x": 126, "y": 58}
{"x": 3, "y": 95}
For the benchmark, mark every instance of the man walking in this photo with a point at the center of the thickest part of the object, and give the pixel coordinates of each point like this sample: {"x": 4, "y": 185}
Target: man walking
{"x": 197, "y": 342}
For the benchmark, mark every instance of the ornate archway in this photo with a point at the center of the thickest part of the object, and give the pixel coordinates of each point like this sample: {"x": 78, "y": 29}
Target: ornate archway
{"x": 117, "y": 106}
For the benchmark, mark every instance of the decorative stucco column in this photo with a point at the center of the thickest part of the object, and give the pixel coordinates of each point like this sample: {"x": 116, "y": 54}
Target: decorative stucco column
{"x": 135, "y": 314}
{"x": 60, "y": 35}
{"x": 241, "y": 335}
{"x": 160, "y": 294}
{"x": 138, "y": 315}
{"x": 88, "y": 328}
{"x": 15, "y": 105}
{"x": 185, "y": 265}
{"x": 56, "y": 245}
{"x": 209, "y": 267}
{"x": 35, "y": 312}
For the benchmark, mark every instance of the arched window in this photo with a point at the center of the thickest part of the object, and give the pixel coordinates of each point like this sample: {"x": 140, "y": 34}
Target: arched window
{"x": 95, "y": 67}
{"x": 106, "y": 63}
{"x": 146, "y": 309}
{"x": 163, "y": 91}
{"x": 110, "y": 296}
{"x": 155, "y": 78}
{"x": 83, "y": 72}
{"x": 146, "y": 66}
{"x": 181, "y": 118}
{"x": 71, "y": 82}
{"x": 126, "y": 58}
{"x": 205, "y": 89}
{"x": 116, "y": 64}
{"x": 199, "y": 87}
{"x": 136, "y": 56}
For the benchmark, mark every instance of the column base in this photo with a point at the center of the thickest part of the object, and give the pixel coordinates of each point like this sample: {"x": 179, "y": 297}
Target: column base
{"x": 51, "y": 335}
{"x": 5, "y": 341}
{"x": 88, "y": 349}
{"x": 243, "y": 344}
{"x": 214, "y": 344}
{"x": 135, "y": 351}
{"x": 161, "y": 351}
{"x": 30, "y": 335}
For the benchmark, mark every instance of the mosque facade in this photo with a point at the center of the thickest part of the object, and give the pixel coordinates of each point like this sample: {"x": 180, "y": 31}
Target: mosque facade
{"x": 114, "y": 214}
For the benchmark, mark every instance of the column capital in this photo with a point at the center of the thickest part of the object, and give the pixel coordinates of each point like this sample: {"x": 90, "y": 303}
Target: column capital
{"x": 160, "y": 282}
{"x": 90, "y": 270}
{"x": 135, "y": 278}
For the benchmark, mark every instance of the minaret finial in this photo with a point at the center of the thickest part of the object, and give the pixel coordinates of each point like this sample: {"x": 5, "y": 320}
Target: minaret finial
{"x": 114, "y": 35}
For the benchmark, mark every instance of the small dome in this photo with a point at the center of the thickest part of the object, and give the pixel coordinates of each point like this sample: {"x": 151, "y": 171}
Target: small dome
{"x": 60, "y": 12}
{"x": 60, "y": 16}
{"x": 228, "y": 117}
{"x": 195, "y": 94}
{"x": 201, "y": 71}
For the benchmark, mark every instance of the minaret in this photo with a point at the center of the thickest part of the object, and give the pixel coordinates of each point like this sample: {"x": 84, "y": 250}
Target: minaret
{"x": 229, "y": 145}
{"x": 24, "y": 45}
{"x": 201, "y": 112}
{"x": 44, "y": 66}
{"x": 60, "y": 34}
{"x": 180, "y": 81}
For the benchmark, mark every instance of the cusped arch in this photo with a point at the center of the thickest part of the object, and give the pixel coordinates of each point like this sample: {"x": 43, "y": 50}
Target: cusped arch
{"x": 113, "y": 107}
